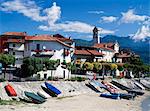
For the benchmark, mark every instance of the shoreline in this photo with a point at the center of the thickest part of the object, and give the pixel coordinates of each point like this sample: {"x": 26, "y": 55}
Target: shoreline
{"x": 86, "y": 102}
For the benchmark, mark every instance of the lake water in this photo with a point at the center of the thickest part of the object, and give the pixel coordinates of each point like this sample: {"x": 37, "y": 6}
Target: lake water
{"x": 146, "y": 104}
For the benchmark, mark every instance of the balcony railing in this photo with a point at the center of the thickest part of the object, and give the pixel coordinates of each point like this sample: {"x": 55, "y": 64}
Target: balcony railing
{"x": 42, "y": 52}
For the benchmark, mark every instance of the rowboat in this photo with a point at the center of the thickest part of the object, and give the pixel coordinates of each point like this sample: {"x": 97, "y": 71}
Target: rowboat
{"x": 107, "y": 95}
{"x": 43, "y": 94}
{"x": 53, "y": 91}
{"x": 34, "y": 97}
{"x": 10, "y": 90}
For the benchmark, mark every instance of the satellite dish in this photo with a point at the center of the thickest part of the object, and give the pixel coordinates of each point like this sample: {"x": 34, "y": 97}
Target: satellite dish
{"x": 44, "y": 47}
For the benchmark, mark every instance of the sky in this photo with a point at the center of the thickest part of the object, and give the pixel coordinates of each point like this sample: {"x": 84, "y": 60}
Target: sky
{"x": 77, "y": 18}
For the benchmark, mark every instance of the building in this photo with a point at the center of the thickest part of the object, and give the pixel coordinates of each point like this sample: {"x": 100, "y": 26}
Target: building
{"x": 22, "y": 45}
{"x": 97, "y": 51}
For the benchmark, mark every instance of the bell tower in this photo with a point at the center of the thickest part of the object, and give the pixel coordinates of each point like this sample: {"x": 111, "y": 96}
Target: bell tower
{"x": 95, "y": 36}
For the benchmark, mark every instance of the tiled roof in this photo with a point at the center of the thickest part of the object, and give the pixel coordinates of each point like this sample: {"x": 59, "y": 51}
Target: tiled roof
{"x": 45, "y": 38}
{"x": 105, "y": 46}
{"x": 15, "y": 41}
{"x": 40, "y": 38}
{"x": 126, "y": 55}
{"x": 62, "y": 38}
{"x": 82, "y": 52}
{"x": 16, "y": 33}
{"x": 88, "y": 52}
{"x": 96, "y": 53}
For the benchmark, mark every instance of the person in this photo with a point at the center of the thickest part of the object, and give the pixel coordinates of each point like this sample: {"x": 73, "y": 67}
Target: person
{"x": 94, "y": 76}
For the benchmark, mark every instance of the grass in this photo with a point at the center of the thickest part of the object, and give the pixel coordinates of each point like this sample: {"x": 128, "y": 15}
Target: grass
{"x": 9, "y": 102}
{"x": 64, "y": 97}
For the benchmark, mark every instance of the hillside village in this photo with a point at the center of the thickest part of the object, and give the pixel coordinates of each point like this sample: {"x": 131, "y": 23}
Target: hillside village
{"x": 57, "y": 47}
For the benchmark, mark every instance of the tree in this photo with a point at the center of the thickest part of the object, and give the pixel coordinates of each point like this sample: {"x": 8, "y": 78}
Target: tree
{"x": 97, "y": 66}
{"x": 6, "y": 60}
{"x": 88, "y": 66}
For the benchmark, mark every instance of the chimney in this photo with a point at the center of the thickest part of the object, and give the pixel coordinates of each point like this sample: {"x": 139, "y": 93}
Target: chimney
{"x": 24, "y": 33}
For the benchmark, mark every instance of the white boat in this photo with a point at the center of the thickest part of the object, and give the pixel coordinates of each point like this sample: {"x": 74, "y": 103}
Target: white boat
{"x": 43, "y": 94}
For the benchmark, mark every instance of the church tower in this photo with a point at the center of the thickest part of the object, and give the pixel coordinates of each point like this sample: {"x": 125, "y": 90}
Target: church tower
{"x": 95, "y": 36}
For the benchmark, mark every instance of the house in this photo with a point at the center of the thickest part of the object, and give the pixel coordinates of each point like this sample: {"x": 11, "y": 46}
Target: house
{"x": 125, "y": 56}
{"x": 22, "y": 45}
{"x": 13, "y": 43}
{"x": 97, "y": 51}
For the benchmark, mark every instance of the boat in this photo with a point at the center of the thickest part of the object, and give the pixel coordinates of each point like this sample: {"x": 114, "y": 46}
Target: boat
{"x": 108, "y": 95}
{"x": 53, "y": 91}
{"x": 99, "y": 84}
{"x": 95, "y": 87}
{"x": 34, "y": 97}
{"x": 125, "y": 96}
{"x": 134, "y": 91}
{"x": 109, "y": 87}
{"x": 145, "y": 83}
{"x": 10, "y": 90}
{"x": 43, "y": 94}
{"x": 116, "y": 83}
{"x": 139, "y": 85}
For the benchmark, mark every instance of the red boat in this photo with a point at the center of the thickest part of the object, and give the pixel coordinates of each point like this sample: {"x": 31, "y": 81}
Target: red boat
{"x": 109, "y": 87}
{"x": 10, "y": 90}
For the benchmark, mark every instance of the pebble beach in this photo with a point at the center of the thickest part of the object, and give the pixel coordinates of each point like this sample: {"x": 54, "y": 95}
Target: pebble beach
{"x": 81, "y": 99}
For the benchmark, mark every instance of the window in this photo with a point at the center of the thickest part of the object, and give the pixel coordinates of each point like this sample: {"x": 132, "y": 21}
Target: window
{"x": 38, "y": 46}
{"x": 13, "y": 53}
{"x": 45, "y": 76}
{"x": 14, "y": 45}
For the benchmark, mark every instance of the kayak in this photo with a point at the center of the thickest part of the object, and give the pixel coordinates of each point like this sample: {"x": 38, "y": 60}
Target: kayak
{"x": 10, "y": 90}
{"x": 112, "y": 96}
{"x": 99, "y": 84}
{"x": 35, "y": 98}
{"x": 43, "y": 94}
{"x": 53, "y": 91}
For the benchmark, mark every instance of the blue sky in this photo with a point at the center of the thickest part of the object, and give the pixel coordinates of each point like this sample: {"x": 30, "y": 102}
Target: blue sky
{"x": 76, "y": 18}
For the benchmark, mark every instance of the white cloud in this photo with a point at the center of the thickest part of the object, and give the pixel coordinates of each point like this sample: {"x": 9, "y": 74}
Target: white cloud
{"x": 142, "y": 33}
{"x": 96, "y": 12}
{"x": 50, "y": 16}
{"x": 108, "y": 19}
{"x": 26, "y": 7}
{"x": 131, "y": 17}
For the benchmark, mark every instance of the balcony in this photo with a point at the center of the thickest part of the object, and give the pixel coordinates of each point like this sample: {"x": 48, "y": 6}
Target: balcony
{"x": 42, "y": 53}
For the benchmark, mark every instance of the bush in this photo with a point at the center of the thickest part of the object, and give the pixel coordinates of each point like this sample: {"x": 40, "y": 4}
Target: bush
{"x": 49, "y": 78}
{"x": 88, "y": 66}
{"x": 2, "y": 79}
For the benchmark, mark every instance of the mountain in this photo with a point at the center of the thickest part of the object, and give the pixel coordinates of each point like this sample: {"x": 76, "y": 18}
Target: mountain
{"x": 141, "y": 48}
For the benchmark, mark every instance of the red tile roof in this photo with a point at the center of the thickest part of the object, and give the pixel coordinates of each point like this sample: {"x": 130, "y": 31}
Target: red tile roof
{"x": 88, "y": 52}
{"x": 45, "y": 38}
{"x": 105, "y": 46}
{"x": 15, "y": 41}
{"x": 96, "y": 53}
{"x": 62, "y": 38}
{"x": 126, "y": 55}
{"x": 16, "y": 33}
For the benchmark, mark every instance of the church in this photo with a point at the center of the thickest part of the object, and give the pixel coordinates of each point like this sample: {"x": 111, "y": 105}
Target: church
{"x": 97, "y": 51}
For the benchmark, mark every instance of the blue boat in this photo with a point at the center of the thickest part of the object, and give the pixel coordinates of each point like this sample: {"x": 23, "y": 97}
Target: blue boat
{"x": 112, "y": 96}
{"x": 53, "y": 91}
{"x": 35, "y": 98}
{"x": 125, "y": 96}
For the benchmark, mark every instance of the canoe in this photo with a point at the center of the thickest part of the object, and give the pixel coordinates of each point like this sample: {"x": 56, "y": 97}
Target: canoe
{"x": 53, "y": 91}
{"x": 112, "y": 96}
{"x": 43, "y": 94}
{"x": 35, "y": 98}
{"x": 10, "y": 90}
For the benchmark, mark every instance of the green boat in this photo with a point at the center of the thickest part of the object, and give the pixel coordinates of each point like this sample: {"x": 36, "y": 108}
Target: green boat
{"x": 35, "y": 98}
